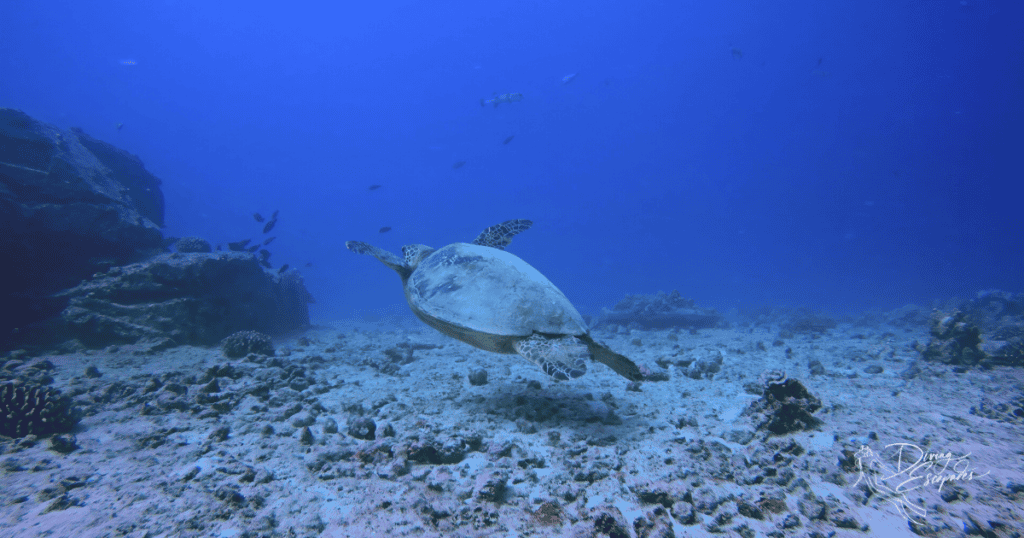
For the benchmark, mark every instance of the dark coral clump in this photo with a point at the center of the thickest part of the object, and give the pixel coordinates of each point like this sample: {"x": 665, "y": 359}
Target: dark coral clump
{"x": 785, "y": 406}
{"x": 35, "y": 410}
{"x": 954, "y": 340}
{"x": 193, "y": 244}
{"x": 243, "y": 343}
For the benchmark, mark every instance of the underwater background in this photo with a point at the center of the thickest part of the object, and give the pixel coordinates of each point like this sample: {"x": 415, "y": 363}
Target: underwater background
{"x": 841, "y": 156}
{"x": 794, "y": 231}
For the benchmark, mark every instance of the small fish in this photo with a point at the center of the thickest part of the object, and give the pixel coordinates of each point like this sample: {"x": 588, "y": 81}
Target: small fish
{"x": 282, "y": 269}
{"x": 270, "y": 225}
{"x": 264, "y": 254}
{"x": 458, "y": 165}
{"x": 503, "y": 98}
{"x": 219, "y": 247}
{"x": 309, "y": 264}
{"x": 238, "y": 246}
{"x": 509, "y": 139}
{"x": 737, "y": 54}
{"x": 119, "y": 125}
{"x": 384, "y": 230}
{"x": 274, "y": 216}
{"x": 253, "y": 249}
{"x": 568, "y": 78}
{"x": 374, "y": 187}
{"x": 258, "y": 217}
{"x": 269, "y": 239}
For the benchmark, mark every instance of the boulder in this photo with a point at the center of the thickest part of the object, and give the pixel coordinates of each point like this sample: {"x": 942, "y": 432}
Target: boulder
{"x": 70, "y": 205}
{"x": 184, "y": 298}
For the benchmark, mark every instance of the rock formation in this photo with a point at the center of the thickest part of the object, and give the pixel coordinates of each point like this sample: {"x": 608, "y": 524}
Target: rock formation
{"x": 70, "y": 205}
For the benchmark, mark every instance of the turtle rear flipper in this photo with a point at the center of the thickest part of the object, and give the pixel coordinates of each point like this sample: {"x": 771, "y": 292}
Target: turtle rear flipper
{"x": 500, "y": 235}
{"x": 385, "y": 257}
{"x": 620, "y": 363}
{"x": 562, "y": 358}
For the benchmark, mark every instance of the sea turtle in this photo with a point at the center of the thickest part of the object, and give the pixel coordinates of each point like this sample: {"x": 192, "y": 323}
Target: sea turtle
{"x": 490, "y": 299}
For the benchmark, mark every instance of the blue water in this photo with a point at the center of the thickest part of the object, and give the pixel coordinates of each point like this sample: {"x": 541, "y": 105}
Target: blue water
{"x": 835, "y": 155}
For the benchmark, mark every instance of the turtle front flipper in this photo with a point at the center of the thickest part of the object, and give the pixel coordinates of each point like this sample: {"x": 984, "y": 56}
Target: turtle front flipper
{"x": 385, "y": 257}
{"x": 500, "y": 235}
{"x": 562, "y": 358}
{"x": 620, "y": 363}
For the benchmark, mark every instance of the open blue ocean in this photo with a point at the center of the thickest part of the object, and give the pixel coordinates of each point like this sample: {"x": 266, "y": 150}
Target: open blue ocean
{"x": 841, "y": 156}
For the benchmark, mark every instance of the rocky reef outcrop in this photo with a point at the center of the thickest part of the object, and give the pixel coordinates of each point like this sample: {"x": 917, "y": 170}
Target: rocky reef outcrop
{"x": 85, "y": 260}
{"x": 70, "y": 205}
{"x": 985, "y": 331}
{"x": 660, "y": 311}
{"x": 183, "y": 298}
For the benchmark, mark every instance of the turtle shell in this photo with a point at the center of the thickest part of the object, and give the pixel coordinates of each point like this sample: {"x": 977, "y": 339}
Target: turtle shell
{"x": 488, "y": 297}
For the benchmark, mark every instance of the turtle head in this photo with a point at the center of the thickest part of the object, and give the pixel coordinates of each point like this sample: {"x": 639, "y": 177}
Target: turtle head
{"x": 387, "y": 258}
{"x": 414, "y": 254}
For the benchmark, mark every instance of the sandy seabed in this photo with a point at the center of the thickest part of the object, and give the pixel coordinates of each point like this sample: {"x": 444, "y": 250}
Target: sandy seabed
{"x": 186, "y": 442}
